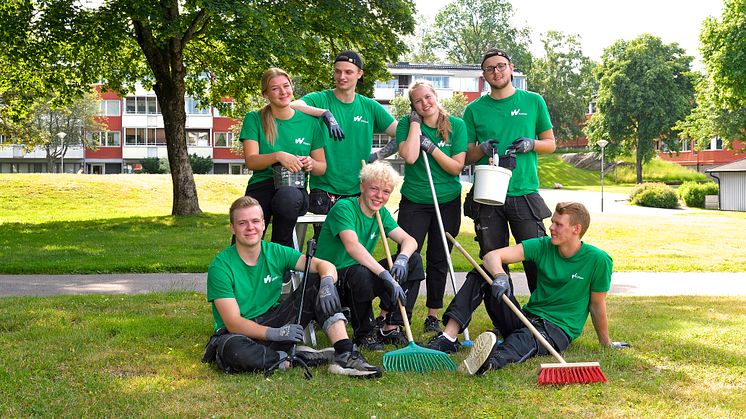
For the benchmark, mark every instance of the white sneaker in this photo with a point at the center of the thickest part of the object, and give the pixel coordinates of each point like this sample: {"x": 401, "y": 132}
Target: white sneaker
{"x": 481, "y": 350}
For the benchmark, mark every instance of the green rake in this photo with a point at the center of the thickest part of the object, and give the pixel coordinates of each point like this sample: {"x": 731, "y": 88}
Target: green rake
{"x": 412, "y": 357}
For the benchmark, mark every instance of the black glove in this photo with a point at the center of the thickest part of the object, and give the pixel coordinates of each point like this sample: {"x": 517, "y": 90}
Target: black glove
{"x": 619, "y": 345}
{"x": 426, "y": 145}
{"x": 489, "y": 147}
{"x": 415, "y": 117}
{"x": 500, "y": 285}
{"x": 335, "y": 131}
{"x": 400, "y": 268}
{"x": 394, "y": 289}
{"x": 522, "y": 145}
{"x": 327, "y": 298}
{"x": 288, "y": 333}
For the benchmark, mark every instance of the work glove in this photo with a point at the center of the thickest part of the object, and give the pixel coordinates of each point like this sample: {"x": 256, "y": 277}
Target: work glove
{"x": 288, "y": 333}
{"x": 619, "y": 345}
{"x": 522, "y": 145}
{"x": 394, "y": 289}
{"x": 327, "y": 298}
{"x": 400, "y": 268}
{"x": 415, "y": 117}
{"x": 500, "y": 285}
{"x": 426, "y": 145}
{"x": 489, "y": 147}
{"x": 335, "y": 131}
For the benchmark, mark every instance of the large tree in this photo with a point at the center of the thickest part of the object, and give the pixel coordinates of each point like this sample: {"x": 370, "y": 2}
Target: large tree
{"x": 465, "y": 29}
{"x": 645, "y": 87}
{"x": 564, "y": 77}
{"x": 212, "y": 49}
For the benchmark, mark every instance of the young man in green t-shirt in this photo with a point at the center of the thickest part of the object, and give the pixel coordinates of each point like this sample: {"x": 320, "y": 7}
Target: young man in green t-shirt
{"x": 573, "y": 280}
{"x": 515, "y": 121}
{"x": 359, "y": 118}
{"x": 254, "y": 330}
{"x": 348, "y": 238}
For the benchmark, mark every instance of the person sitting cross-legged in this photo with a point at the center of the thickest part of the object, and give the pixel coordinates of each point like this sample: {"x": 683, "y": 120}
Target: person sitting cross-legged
{"x": 254, "y": 330}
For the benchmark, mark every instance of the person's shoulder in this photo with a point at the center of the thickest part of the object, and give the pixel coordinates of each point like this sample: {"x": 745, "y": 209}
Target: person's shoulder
{"x": 595, "y": 252}
{"x": 345, "y": 204}
{"x": 456, "y": 121}
{"x": 529, "y": 95}
{"x": 224, "y": 256}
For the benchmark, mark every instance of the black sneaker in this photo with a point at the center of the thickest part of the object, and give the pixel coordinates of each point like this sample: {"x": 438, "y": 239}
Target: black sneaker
{"x": 315, "y": 357}
{"x": 392, "y": 337}
{"x": 354, "y": 364}
{"x": 432, "y": 324}
{"x": 443, "y": 344}
{"x": 478, "y": 361}
{"x": 370, "y": 343}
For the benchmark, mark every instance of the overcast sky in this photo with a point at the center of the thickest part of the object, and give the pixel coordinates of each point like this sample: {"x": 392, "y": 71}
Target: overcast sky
{"x": 600, "y": 23}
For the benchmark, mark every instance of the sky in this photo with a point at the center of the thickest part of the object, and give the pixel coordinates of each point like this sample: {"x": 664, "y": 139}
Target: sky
{"x": 600, "y": 23}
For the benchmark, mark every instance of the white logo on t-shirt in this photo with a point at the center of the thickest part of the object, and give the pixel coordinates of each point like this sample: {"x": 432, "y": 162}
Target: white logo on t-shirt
{"x": 517, "y": 112}
{"x": 576, "y": 276}
{"x": 268, "y": 279}
{"x": 359, "y": 118}
{"x": 301, "y": 140}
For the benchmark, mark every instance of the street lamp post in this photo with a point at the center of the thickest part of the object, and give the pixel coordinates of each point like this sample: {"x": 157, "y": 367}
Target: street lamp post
{"x": 602, "y": 144}
{"x": 62, "y": 136}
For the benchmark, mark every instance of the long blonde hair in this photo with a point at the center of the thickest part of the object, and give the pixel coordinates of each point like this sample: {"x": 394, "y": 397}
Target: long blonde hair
{"x": 268, "y": 121}
{"x": 444, "y": 123}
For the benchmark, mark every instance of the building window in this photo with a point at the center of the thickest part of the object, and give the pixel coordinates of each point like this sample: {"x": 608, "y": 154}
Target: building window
{"x": 144, "y": 136}
{"x": 109, "y": 107}
{"x": 716, "y": 143}
{"x": 224, "y": 139}
{"x": 192, "y": 107}
{"x": 391, "y": 84}
{"x": 198, "y": 138}
{"x": 438, "y": 82}
{"x": 105, "y": 139}
{"x": 142, "y": 105}
{"x": 686, "y": 145}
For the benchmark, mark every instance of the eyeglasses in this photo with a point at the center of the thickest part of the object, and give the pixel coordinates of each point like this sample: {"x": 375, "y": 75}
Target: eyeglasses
{"x": 491, "y": 69}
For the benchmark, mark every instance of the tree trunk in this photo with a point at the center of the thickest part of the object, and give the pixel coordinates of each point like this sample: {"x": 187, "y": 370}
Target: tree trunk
{"x": 638, "y": 162}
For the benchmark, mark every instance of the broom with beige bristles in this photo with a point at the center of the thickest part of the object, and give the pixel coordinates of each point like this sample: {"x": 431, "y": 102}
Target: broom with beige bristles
{"x": 556, "y": 373}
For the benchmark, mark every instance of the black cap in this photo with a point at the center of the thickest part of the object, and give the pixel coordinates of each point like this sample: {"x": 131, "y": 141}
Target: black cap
{"x": 350, "y": 57}
{"x": 494, "y": 52}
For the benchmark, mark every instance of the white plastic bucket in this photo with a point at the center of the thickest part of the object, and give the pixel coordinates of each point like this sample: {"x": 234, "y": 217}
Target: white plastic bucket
{"x": 491, "y": 184}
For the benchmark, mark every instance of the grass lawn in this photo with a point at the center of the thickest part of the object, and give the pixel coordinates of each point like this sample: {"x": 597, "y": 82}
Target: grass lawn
{"x": 120, "y": 223}
{"x": 121, "y": 356}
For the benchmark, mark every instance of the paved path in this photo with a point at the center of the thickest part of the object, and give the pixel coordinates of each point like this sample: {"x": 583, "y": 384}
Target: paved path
{"x": 622, "y": 283}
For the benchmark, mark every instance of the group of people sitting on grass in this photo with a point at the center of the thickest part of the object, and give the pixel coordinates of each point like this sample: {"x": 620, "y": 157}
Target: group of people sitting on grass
{"x": 285, "y": 144}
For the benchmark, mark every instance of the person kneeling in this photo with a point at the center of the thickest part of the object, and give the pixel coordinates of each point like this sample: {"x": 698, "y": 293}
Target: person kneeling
{"x": 254, "y": 330}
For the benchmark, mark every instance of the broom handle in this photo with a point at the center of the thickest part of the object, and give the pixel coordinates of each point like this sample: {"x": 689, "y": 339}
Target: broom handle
{"x": 442, "y": 229}
{"x": 391, "y": 264}
{"x": 510, "y": 304}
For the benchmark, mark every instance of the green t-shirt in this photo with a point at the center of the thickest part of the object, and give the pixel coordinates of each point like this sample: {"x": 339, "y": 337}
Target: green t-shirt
{"x": 416, "y": 187}
{"x": 255, "y": 288}
{"x": 347, "y": 215}
{"x": 564, "y": 285}
{"x": 523, "y": 114}
{"x": 358, "y": 120}
{"x": 298, "y": 135}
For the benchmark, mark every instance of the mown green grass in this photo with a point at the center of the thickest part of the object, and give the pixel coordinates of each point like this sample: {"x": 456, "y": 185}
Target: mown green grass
{"x": 122, "y": 356}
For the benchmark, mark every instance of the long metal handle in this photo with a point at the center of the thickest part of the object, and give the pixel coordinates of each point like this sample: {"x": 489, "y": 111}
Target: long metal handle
{"x": 442, "y": 230}
{"x": 509, "y": 303}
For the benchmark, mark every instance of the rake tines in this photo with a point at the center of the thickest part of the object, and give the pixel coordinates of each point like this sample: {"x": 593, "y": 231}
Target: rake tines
{"x": 416, "y": 358}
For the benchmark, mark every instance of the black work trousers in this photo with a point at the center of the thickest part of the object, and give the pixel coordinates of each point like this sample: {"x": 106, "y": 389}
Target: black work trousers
{"x": 281, "y": 206}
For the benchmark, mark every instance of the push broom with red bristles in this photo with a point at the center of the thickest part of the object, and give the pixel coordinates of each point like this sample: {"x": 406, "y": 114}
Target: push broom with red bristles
{"x": 556, "y": 373}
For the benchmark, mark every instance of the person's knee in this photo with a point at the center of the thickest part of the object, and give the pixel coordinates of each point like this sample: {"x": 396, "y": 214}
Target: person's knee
{"x": 289, "y": 202}
{"x": 359, "y": 284}
{"x": 240, "y": 354}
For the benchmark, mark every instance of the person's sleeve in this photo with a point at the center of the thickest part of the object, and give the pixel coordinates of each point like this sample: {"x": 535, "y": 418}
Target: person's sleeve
{"x": 458, "y": 136}
{"x": 219, "y": 282}
{"x": 250, "y": 127}
{"x": 382, "y": 117}
{"x": 532, "y": 249}
{"x": 341, "y": 218}
{"x": 544, "y": 122}
{"x": 471, "y": 132}
{"x": 402, "y": 129}
{"x": 288, "y": 256}
{"x": 602, "y": 276}
{"x": 315, "y": 99}
{"x": 388, "y": 221}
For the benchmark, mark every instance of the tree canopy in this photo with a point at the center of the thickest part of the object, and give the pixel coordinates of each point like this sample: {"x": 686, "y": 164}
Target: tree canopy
{"x": 564, "y": 77}
{"x": 645, "y": 87}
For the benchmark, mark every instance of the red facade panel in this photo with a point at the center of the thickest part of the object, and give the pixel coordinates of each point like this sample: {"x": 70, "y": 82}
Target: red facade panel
{"x": 104, "y": 153}
{"x": 225, "y": 153}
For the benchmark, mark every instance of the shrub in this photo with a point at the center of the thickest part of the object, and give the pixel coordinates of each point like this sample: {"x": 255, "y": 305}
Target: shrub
{"x": 151, "y": 165}
{"x": 200, "y": 165}
{"x": 693, "y": 193}
{"x": 656, "y": 195}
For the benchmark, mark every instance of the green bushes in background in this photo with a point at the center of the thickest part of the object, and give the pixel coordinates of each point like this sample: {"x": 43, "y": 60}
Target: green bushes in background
{"x": 656, "y": 195}
{"x": 693, "y": 193}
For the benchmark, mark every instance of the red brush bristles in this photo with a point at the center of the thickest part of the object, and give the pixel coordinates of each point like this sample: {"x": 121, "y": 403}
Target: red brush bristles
{"x": 571, "y": 373}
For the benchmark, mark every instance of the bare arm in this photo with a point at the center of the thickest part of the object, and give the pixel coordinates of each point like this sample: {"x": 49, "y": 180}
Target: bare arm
{"x": 409, "y": 149}
{"x": 318, "y": 162}
{"x": 597, "y": 308}
{"x": 301, "y": 106}
{"x": 358, "y": 252}
{"x": 391, "y": 130}
{"x": 545, "y": 144}
{"x": 231, "y": 315}
{"x": 407, "y": 243}
{"x": 494, "y": 260}
{"x": 453, "y": 165}
{"x": 473, "y": 153}
{"x": 256, "y": 161}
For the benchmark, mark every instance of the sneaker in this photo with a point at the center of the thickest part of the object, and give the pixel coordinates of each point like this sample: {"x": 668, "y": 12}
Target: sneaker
{"x": 379, "y": 322}
{"x": 354, "y": 364}
{"x": 479, "y": 355}
{"x": 392, "y": 337}
{"x": 315, "y": 357}
{"x": 432, "y": 324}
{"x": 443, "y": 344}
{"x": 370, "y": 343}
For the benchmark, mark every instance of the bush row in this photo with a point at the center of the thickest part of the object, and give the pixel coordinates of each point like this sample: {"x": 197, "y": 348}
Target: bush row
{"x": 200, "y": 165}
{"x": 693, "y": 193}
{"x": 656, "y": 195}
